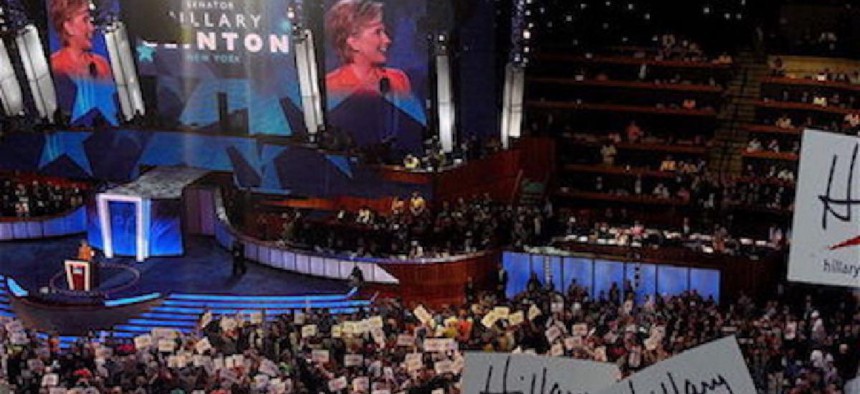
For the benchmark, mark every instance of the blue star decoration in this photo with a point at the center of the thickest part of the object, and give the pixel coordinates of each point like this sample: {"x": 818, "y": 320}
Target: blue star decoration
{"x": 145, "y": 52}
{"x": 66, "y": 143}
{"x": 94, "y": 95}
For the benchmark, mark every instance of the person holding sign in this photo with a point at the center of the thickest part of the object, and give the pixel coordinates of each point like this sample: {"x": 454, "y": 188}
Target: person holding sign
{"x": 358, "y": 34}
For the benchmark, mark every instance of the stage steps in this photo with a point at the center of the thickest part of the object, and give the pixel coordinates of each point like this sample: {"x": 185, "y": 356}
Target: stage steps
{"x": 5, "y": 306}
{"x": 182, "y": 311}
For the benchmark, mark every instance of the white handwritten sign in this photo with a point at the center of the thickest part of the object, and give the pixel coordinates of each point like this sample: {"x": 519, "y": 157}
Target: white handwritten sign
{"x": 534, "y": 312}
{"x": 825, "y": 248}
{"x": 337, "y": 384}
{"x": 422, "y": 314}
{"x": 309, "y": 331}
{"x": 516, "y": 318}
{"x": 202, "y": 346}
{"x": 717, "y": 367}
{"x": 142, "y": 342}
{"x": 320, "y": 356}
{"x": 353, "y": 360}
{"x": 510, "y": 373}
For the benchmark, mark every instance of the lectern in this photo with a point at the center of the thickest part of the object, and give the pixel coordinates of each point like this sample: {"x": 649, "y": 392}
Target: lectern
{"x": 80, "y": 275}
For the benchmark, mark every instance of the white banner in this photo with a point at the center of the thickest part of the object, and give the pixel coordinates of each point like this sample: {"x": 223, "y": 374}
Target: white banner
{"x": 511, "y": 373}
{"x": 825, "y": 246}
{"x": 715, "y": 368}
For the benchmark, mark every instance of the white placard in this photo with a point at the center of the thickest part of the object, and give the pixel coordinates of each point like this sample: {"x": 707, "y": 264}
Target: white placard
{"x": 580, "y": 330}
{"x": 19, "y": 338}
{"x": 376, "y": 322}
{"x": 337, "y": 331}
{"x": 320, "y": 356}
{"x": 516, "y": 318}
{"x": 443, "y": 366}
{"x": 257, "y": 317}
{"x": 142, "y": 342}
{"x": 268, "y": 367}
{"x": 361, "y": 384}
{"x": 14, "y": 326}
{"x": 534, "y": 312}
{"x": 309, "y": 331}
{"x": 50, "y": 380}
{"x": 205, "y": 319}
{"x": 434, "y": 345}
{"x": 166, "y": 345}
{"x": 489, "y": 320}
{"x": 337, "y": 384}
{"x": 228, "y": 323}
{"x": 353, "y": 360}
{"x": 825, "y": 247}
{"x": 165, "y": 333}
{"x": 502, "y": 312}
{"x": 413, "y": 361}
{"x": 717, "y": 367}
{"x": 202, "y": 345}
{"x": 422, "y": 314}
{"x": 552, "y": 334}
{"x": 499, "y": 372}
{"x": 405, "y": 340}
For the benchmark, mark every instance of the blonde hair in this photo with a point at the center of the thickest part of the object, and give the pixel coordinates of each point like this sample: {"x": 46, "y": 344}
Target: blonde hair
{"x": 344, "y": 19}
{"x": 63, "y": 10}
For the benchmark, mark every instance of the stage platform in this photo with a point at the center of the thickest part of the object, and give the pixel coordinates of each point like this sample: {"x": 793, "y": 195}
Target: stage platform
{"x": 205, "y": 268}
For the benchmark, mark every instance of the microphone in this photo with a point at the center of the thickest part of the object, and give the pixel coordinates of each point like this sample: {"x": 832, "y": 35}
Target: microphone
{"x": 94, "y": 71}
{"x": 384, "y": 85}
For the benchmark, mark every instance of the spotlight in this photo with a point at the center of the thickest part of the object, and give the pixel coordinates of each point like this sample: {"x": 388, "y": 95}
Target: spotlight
{"x": 527, "y": 34}
{"x": 739, "y": 16}
{"x": 630, "y": 6}
{"x": 727, "y": 16}
{"x": 583, "y": 6}
{"x": 647, "y": 16}
{"x": 441, "y": 38}
{"x": 608, "y": 3}
{"x": 706, "y": 10}
{"x": 526, "y": 49}
{"x": 291, "y": 13}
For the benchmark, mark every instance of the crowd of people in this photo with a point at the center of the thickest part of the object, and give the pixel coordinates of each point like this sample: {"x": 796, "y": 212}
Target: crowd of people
{"x": 807, "y": 345}
{"x": 412, "y": 229}
{"x": 25, "y": 197}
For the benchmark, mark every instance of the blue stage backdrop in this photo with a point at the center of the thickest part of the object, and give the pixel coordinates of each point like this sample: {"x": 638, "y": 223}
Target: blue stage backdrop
{"x": 241, "y": 51}
{"x": 385, "y": 102}
{"x": 79, "y": 62}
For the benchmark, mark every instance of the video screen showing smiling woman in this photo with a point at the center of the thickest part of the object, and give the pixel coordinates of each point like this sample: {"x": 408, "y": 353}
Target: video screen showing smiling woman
{"x": 377, "y": 71}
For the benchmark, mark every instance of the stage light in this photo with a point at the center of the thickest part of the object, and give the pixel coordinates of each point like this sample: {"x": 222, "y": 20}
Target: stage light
{"x": 739, "y": 16}
{"x": 527, "y": 34}
{"x": 583, "y": 5}
{"x": 647, "y": 16}
{"x": 706, "y": 10}
{"x": 605, "y": 25}
{"x": 526, "y": 49}
{"x": 291, "y": 14}
{"x": 630, "y": 6}
{"x": 441, "y": 38}
{"x": 568, "y": 18}
{"x": 608, "y": 3}
{"x": 727, "y": 16}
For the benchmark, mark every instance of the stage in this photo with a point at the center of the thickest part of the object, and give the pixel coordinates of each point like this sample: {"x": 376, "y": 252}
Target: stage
{"x": 205, "y": 268}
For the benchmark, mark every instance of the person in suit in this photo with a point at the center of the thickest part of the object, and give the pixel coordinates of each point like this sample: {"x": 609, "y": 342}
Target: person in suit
{"x": 358, "y": 35}
{"x": 238, "y": 252}
{"x": 501, "y": 282}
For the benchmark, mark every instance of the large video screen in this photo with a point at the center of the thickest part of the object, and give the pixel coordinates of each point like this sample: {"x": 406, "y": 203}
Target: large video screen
{"x": 79, "y": 62}
{"x": 231, "y": 64}
{"x": 376, "y": 71}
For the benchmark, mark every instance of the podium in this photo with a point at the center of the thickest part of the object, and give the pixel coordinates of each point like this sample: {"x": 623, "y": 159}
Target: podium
{"x": 81, "y": 275}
